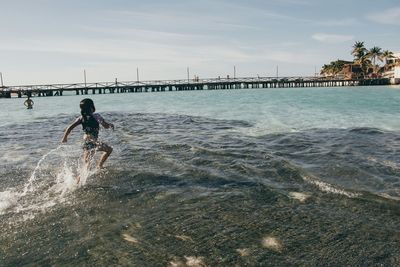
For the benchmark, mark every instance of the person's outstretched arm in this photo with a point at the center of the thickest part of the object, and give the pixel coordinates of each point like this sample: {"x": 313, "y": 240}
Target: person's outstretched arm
{"x": 69, "y": 129}
{"x": 107, "y": 125}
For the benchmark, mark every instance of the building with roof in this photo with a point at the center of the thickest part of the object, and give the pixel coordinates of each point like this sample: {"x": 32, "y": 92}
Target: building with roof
{"x": 392, "y": 69}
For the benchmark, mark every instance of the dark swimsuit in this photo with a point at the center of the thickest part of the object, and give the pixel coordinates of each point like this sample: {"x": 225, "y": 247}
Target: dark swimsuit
{"x": 91, "y": 126}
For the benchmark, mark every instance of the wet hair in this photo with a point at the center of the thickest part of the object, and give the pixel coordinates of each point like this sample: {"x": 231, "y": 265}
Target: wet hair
{"x": 89, "y": 123}
{"x": 87, "y": 107}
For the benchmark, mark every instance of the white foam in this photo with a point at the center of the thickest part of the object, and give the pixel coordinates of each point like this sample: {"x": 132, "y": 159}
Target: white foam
{"x": 8, "y": 199}
{"x": 260, "y": 129}
{"x": 391, "y": 164}
{"x": 388, "y": 196}
{"x": 328, "y": 188}
{"x": 387, "y": 163}
{"x": 13, "y": 157}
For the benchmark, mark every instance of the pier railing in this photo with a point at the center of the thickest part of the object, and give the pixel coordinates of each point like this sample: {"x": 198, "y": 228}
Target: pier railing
{"x": 181, "y": 85}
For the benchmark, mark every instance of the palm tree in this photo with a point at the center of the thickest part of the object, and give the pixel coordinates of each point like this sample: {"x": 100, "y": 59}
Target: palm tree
{"x": 358, "y": 50}
{"x": 375, "y": 53}
{"x": 365, "y": 64}
{"x": 337, "y": 66}
{"x": 325, "y": 70}
{"x": 333, "y": 68}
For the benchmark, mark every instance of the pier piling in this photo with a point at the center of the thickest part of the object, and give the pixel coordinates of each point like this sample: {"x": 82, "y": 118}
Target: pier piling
{"x": 183, "y": 85}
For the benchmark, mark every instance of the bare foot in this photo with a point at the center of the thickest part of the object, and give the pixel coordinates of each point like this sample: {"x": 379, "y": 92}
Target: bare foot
{"x": 78, "y": 179}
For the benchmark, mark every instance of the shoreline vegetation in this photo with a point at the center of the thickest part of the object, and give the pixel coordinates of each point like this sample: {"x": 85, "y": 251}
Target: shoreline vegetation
{"x": 365, "y": 64}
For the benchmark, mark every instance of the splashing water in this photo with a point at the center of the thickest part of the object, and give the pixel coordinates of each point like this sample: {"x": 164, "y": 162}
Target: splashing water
{"x": 8, "y": 199}
{"x": 29, "y": 186}
{"x": 54, "y": 177}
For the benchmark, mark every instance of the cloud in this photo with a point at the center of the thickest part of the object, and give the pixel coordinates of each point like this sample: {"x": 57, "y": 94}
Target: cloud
{"x": 388, "y": 16}
{"x": 332, "y": 38}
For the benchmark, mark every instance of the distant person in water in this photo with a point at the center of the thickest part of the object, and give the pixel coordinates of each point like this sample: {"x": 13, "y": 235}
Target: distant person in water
{"x": 91, "y": 125}
{"x": 29, "y": 103}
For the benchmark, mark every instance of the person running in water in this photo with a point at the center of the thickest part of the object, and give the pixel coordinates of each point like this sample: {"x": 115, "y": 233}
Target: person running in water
{"x": 91, "y": 122}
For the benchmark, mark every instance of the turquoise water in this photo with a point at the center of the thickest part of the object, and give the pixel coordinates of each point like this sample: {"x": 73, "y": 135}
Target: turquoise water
{"x": 259, "y": 177}
{"x": 272, "y": 110}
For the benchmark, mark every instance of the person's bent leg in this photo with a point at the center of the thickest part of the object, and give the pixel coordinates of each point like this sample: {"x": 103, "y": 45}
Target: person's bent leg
{"x": 106, "y": 153}
{"x": 88, "y": 156}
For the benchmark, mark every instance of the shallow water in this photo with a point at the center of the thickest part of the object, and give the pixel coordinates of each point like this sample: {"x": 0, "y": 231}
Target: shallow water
{"x": 248, "y": 177}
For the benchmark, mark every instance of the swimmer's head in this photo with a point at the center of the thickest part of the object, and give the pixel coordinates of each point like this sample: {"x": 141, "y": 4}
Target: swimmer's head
{"x": 87, "y": 106}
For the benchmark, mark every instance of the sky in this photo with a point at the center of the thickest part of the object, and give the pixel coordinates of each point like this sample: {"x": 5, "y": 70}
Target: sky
{"x": 54, "y": 41}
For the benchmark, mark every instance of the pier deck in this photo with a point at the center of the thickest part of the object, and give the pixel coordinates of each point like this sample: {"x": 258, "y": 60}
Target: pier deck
{"x": 180, "y": 85}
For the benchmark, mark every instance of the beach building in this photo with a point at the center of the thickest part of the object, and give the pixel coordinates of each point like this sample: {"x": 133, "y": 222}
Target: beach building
{"x": 351, "y": 71}
{"x": 392, "y": 69}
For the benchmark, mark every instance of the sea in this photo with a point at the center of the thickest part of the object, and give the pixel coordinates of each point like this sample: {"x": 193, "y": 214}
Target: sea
{"x": 249, "y": 177}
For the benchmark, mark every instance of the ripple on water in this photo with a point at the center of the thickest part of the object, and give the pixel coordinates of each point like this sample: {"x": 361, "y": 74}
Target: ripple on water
{"x": 192, "y": 191}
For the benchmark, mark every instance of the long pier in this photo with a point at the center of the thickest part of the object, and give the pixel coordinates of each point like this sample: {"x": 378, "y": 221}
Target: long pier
{"x": 180, "y": 85}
